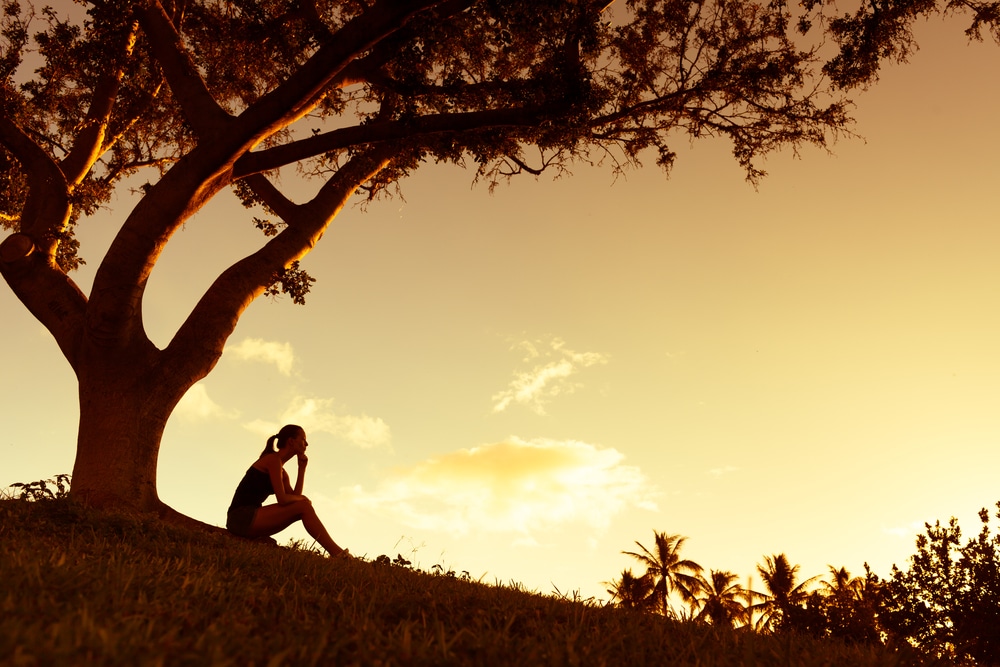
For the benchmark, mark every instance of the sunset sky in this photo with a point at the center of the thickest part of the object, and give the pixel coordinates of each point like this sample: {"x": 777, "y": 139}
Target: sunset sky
{"x": 521, "y": 385}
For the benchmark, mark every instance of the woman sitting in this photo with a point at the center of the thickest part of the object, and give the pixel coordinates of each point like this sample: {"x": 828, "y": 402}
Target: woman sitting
{"x": 249, "y": 517}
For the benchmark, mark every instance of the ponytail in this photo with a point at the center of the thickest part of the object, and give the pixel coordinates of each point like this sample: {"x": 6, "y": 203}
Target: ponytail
{"x": 287, "y": 431}
{"x": 269, "y": 447}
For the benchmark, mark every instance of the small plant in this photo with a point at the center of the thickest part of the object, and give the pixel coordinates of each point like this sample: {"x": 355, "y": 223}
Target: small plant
{"x": 439, "y": 570}
{"x": 43, "y": 489}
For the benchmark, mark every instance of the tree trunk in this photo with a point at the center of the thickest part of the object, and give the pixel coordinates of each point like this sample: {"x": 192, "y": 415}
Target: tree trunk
{"x": 124, "y": 404}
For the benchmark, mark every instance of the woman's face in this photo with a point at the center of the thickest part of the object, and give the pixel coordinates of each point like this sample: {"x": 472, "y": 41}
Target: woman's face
{"x": 297, "y": 443}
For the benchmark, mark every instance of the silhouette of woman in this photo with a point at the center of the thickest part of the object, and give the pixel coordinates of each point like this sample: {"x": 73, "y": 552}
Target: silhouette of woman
{"x": 249, "y": 517}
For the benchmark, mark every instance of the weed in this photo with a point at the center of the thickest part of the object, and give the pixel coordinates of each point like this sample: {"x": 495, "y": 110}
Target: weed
{"x": 43, "y": 489}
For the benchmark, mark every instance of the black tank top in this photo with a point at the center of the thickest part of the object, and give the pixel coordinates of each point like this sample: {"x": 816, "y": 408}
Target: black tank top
{"x": 253, "y": 489}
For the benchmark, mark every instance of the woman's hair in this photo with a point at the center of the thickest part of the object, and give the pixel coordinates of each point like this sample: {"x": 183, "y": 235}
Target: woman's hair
{"x": 281, "y": 437}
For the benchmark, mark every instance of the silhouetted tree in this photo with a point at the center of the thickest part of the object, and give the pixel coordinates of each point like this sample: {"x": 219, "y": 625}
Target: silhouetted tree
{"x": 632, "y": 592}
{"x": 947, "y": 603}
{"x": 785, "y": 598}
{"x": 670, "y": 574}
{"x": 753, "y": 608}
{"x": 841, "y": 584}
{"x": 719, "y": 598}
{"x": 849, "y": 606}
{"x": 201, "y": 96}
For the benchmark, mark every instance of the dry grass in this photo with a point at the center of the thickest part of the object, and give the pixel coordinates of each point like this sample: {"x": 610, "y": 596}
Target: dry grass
{"x": 83, "y": 587}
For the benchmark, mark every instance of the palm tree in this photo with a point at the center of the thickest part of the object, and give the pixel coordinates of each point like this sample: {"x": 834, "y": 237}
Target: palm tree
{"x": 751, "y": 603}
{"x": 841, "y": 585}
{"x": 669, "y": 573}
{"x": 720, "y": 598}
{"x": 851, "y": 605}
{"x": 632, "y": 592}
{"x": 783, "y": 593}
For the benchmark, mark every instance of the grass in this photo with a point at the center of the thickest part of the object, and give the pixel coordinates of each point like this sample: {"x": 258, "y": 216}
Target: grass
{"x": 79, "y": 586}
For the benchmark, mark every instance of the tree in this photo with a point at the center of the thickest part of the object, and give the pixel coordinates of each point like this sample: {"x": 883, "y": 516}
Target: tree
{"x": 201, "y": 96}
{"x": 632, "y": 592}
{"x": 720, "y": 598}
{"x": 947, "y": 604}
{"x": 785, "y": 597}
{"x": 752, "y": 603}
{"x": 850, "y": 606}
{"x": 841, "y": 584}
{"x": 668, "y": 572}
{"x": 843, "y": 607}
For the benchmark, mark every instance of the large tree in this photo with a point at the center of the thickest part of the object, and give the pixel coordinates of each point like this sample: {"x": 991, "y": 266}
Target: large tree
{"x": 202, "y": 96}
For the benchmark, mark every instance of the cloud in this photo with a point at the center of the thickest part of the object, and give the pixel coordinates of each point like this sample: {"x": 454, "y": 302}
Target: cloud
{"x": 724, "y": 470}
{"x": 196, "y": 404}
{"x": 536, "y": 387}
{"x": 270, "y": 352}
{"x": 912, "y": 530}
{"x": 317, "y": 415}
{"x": 515, "y": 486}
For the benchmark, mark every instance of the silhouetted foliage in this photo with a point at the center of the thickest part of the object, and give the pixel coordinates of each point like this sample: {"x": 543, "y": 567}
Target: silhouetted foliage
{"x": 841, "y": 607}
{"x": 719, "y": 598}
{"x": 784, "y": 602}
{"x": 668, "y": 572}
{"x": 632, "y": 592}
{"x": 947, "y": 603}
{"x": 882, "y": 30}
{"x": 43, "y": 489}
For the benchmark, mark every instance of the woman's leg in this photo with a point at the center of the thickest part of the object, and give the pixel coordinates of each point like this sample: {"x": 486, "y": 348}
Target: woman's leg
{"x": 271, "y": 519}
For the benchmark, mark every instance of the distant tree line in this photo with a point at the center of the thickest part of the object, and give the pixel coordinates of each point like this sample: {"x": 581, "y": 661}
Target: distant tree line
{"x": 945, "y": 604}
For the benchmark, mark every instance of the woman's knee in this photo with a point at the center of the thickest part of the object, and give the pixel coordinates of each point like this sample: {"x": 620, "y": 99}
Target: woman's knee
{"x": 303, "y": 506}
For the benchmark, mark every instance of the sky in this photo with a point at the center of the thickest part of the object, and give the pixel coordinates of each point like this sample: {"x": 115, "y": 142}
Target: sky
{"x": 524, "y": 384}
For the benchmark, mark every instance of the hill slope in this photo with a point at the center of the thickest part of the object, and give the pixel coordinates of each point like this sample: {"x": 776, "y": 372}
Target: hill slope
{"x": 80, "y": 586}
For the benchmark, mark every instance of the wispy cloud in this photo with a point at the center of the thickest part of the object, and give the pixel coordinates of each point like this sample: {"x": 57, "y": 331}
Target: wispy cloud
{"x": 270, "y": 352}
{"x": 196, "y": 404}
{"x": 516, "y": 486}
{"x": 911, "y": 530}
{"x": 318, "y": 415}
{"x": 724, "y": 470}
{"x": 536, "y": 387}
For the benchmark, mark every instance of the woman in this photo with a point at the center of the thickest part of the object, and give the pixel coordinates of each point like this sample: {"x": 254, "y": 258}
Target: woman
{"x": 249, "y": 517}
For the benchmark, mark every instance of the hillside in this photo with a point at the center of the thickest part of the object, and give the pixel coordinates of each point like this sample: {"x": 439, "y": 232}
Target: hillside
{"x": 81, "y": 586}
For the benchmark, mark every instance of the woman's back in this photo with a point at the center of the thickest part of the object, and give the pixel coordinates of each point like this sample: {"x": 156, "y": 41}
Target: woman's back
{"x": 253, "y": 489}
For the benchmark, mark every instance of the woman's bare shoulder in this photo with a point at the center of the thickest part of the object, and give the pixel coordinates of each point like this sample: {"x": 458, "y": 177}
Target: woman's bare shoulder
{"x": 268, "y": 462}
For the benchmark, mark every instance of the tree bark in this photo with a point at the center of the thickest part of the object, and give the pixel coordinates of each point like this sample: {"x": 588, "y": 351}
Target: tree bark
{"x": 125, "y": 400}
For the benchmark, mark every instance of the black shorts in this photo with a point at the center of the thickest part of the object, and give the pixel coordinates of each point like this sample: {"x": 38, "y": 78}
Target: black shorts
{"x": 240, "y": 519}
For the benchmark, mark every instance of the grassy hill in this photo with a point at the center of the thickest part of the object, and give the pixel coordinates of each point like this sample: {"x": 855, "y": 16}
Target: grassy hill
{"x": 79, "y": 587}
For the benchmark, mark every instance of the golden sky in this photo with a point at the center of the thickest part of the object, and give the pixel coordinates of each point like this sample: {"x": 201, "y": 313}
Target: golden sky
{"x": 521, "y": 385}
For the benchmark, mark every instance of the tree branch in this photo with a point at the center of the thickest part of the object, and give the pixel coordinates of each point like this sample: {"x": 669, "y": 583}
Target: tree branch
{"x": 199, "y": 342}
{"x": 200, "y": 108}
{"x": 303, "y": 90}
{"x": 273, "y": 198}
{"x": 48, "y": 293}
{"x": 47, "y": 208}
{"x": 388, "y": 131}
{"x": 89, "y": 143}
{"x": 115, "y": 311}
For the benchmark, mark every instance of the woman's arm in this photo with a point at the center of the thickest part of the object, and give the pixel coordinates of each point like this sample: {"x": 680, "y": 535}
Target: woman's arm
{"x": 300, "y": 479}
{"x": 279, "y": 480}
